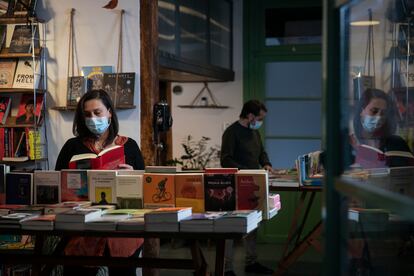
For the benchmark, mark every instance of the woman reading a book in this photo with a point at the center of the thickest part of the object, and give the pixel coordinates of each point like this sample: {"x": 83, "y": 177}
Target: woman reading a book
{"x": 95, "y": 127}
{"x": 374, "y": 142}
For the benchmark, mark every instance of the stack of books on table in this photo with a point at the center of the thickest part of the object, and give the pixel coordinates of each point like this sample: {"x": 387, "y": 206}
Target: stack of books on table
{"x": 110, "y": 219}
{"x": 240, "y": 221}
{"x": 284, "y": 178}
{"x": 14, "y": 220}
{"x": 369, "y": 220}
{"x": 166, "y": 219}
{"x": 135, "y": 222}
{"x": 200, "y": 222}
{"x": 7, "y": 208}
{"x": 274, "y": 204}
{"x": 44, "y": 222}
{"x": 66, "y": 206}
{"x": 75, "y": 219}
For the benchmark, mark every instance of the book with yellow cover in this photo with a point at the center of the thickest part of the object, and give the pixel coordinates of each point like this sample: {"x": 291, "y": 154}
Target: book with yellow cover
{"x": 189, "y": 191}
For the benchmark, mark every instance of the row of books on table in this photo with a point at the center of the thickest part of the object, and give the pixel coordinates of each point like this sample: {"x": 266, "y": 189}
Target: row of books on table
{"x": 212, "y": 190}
{"x": 82, "y": 216}
{"x": 310, "y": 169}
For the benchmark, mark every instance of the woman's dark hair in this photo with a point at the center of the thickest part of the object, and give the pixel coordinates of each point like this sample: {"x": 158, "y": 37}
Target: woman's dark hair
{"x": 389, "y": 126}
{"x": 79, "y": 127}
{"x": 252, "y": 106}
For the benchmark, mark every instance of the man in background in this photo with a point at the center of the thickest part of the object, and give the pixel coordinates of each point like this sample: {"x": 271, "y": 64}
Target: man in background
{"x": 242, "y": 148}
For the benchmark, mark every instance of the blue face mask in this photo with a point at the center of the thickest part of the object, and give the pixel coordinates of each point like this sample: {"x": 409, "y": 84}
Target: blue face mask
{"x": 97, "y": 125}
{"x": 372, "y": 123}
{"x": 257, "y": 125}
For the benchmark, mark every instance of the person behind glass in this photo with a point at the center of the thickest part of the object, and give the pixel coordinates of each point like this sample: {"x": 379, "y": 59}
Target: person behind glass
{"x": 96, "y": 127}
{"x": 242, "y": 148}
{"x": 374, "y": 126}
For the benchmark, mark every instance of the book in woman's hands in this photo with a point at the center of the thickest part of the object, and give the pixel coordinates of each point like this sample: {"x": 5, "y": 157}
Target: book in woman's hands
{"x": 371, "y": 157}
{"x": 108, "y": 159}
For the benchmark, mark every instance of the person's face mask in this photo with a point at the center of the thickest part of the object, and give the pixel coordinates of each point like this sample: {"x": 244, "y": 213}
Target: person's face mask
{"x": 97, "y": 125}
{"x": 256, "y": 125}
{"x": 372, "y": 123}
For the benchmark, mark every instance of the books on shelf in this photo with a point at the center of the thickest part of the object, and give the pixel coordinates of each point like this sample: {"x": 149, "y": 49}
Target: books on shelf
{"x": 47, "y": 187}
{"x": 284, "y": 178}
{"x": 74, "y": 185}
{"x": 76, "y": 89}
{"x": 102, "y": 186}
{"x": 29, "y": 112}
{"x": 200, "y": 222}
{"x": 5, "y": 105}
{"x": 27, "y": 74}
{"x": 108, "y": 159}
{"x": 309, "y": 168}
{"x": 14, "y": 220}
{"x": 19, "y": 188}
{"x": 6, "y": 7}
{"x": 124, "y": 95}
{"x": 21, "y": 41}
{"x": 240, "y": 221}
{"x": 189, "y": 191}
{"x": 159, "y": 190}
{"x": 44, "y": 222}
{"x": 371, "y": 157}
{"x": 7, "y": 68}
{"x": 220, "y": 191}
{"x": 4, "y": 169}
{"x": 24, "y": 7}
{"x": 94, "y": 76}
{"x": 35, "y": 144}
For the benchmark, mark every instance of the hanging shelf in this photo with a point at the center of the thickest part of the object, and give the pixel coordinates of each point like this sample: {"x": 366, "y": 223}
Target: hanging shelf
{"x": 204, "y": 102}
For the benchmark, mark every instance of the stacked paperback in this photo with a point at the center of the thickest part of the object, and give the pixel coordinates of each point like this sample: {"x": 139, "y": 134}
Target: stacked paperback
{"x": 166, "y": 219}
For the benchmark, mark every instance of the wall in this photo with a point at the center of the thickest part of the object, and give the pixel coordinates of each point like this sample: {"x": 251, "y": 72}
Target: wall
{"x": 211, "y": 122}
{"x": 96, "y": 34}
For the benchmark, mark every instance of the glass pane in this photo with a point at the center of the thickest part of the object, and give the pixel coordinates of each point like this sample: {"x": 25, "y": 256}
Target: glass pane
{"x": 293, "y": 79}
{"x": 166, "y": 26}
{"x": 304, "y": 118}
{"x": 220, "y": 33}
{"x": 193, "y": 32}
{"x": 285, "y": 26}
{"x": 283, "y": 153}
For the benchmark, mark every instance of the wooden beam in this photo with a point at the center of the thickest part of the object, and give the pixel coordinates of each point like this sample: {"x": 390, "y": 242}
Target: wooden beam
{"x": 149, "y": 75}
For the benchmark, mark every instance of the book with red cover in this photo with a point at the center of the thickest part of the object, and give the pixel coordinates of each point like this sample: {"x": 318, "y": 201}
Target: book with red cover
{"x": 28, "y": 113}
{"x": 108, "y": 159}
{"x": 370, "y": 157}
{"x": 221, "y": 170}
{"x": 5, "y": 104}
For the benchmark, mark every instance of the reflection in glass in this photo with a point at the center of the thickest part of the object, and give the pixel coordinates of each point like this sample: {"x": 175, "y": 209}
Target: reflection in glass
{"x": 166, "y": 26}
{"x": 220, "y": 34}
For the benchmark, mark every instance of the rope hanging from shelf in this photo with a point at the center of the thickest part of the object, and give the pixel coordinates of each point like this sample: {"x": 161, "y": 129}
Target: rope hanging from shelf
{"x": 71, "y": 47}
{"x": 119, "y": 61}
{"x": 369, "y": 51}
{"x": 198, "y": 97}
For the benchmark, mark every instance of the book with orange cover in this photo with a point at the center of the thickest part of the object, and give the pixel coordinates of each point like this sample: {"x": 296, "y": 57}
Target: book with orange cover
{"x": 189, "y": 191}
{"x": 159, "y": 190}
{"x": 108, "y": 159}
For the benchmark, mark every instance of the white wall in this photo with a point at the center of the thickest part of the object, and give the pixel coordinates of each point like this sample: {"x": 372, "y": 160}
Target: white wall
{"x": 210, "y": 122}
{"x": 96, "y": 33}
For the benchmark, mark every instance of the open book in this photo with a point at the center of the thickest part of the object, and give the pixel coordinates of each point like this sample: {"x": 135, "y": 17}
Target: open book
{"x": 108, "y": 159}
{"x": 371, "y": 157}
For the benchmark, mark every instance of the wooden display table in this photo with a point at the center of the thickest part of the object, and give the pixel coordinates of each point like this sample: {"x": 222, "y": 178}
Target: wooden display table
{"x": 42, "y": 264}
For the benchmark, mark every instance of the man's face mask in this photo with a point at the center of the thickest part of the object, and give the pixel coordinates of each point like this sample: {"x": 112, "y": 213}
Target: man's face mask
{"x": 97, "y": 125}
{"x": 256, "y": 125}
{"x": 372, "y": 123}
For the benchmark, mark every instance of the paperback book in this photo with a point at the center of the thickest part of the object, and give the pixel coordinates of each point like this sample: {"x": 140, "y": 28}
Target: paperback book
{"x": 74, "y": 185}
{"x": 189, "y": 191}
{"x": 19, "y": 188}
{"x": 240, "y": 221}
{"x": 129, "y": 191}
{"x": 159, "y": 190}
{"x": 200, "y": 222}
{"x": 5, "y": 105}
{"x": 44, "y": 222}
{"x": 120, "y": 86}
{"x": 370, "y": 157}
{"x": 219, "y": 191}
{"x": 47, "y": 187}
{"x": 94, "y": 76}
{"x": 27, "y": 74}
{"x": 29, "y": 112}
{"x": 7, "y": 68}
{"x": 76, "y": 89}
{"x": 108, "y": 159}
{"x": 102, "y": 186}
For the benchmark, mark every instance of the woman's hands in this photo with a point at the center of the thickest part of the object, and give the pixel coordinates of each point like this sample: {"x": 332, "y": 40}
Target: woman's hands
{"x": 125, "y": 167}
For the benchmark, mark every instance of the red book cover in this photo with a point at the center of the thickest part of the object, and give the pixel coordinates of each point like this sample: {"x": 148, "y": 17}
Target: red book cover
{"x": 108, "y": 159}
{"x": 74, "y": 185}
{"x": 189, "y": 191}
{"x": 28, "y": 112}
{"x": 5, "y": 103}
{"x": 370, "y": 157}
{"x": 221, "y": 170}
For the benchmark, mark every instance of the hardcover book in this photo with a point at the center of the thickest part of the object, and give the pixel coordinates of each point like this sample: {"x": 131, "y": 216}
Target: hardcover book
{"x": 189, "y": 191}
{"x": 47, "y": 187}
{"x": 27, "y": 75}
{"x": 108, "y": 159}
{"x": 28, "y": 112}
{"x": 252, "y": 191}
{"x": 19, "y": 188}
{"x": 5, "y": 105}
{"x": 21, "y": 41}
{"x": 159, "y": 190}
{"x": 7, "y": 69}
{"x": 219, "y": 192}
{"x": 76, "y": 89}
{"x": 94, "y": 76}
{"x": 124, "y": 94}
{"x": 74, "y": 185}
{"x": 102, "y": 186}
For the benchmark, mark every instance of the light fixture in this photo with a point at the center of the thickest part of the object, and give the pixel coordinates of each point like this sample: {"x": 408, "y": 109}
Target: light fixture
{"x": 365, "y": 23}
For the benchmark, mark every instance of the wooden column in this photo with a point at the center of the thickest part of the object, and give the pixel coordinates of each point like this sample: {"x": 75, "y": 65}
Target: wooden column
{"x": 149, "y": 76}
{"x": 149, "y": 96}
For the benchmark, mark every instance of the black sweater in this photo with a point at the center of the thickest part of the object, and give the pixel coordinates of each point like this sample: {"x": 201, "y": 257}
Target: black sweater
{"x": 242, "y": 148}
{"x": 75, "y": 146}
